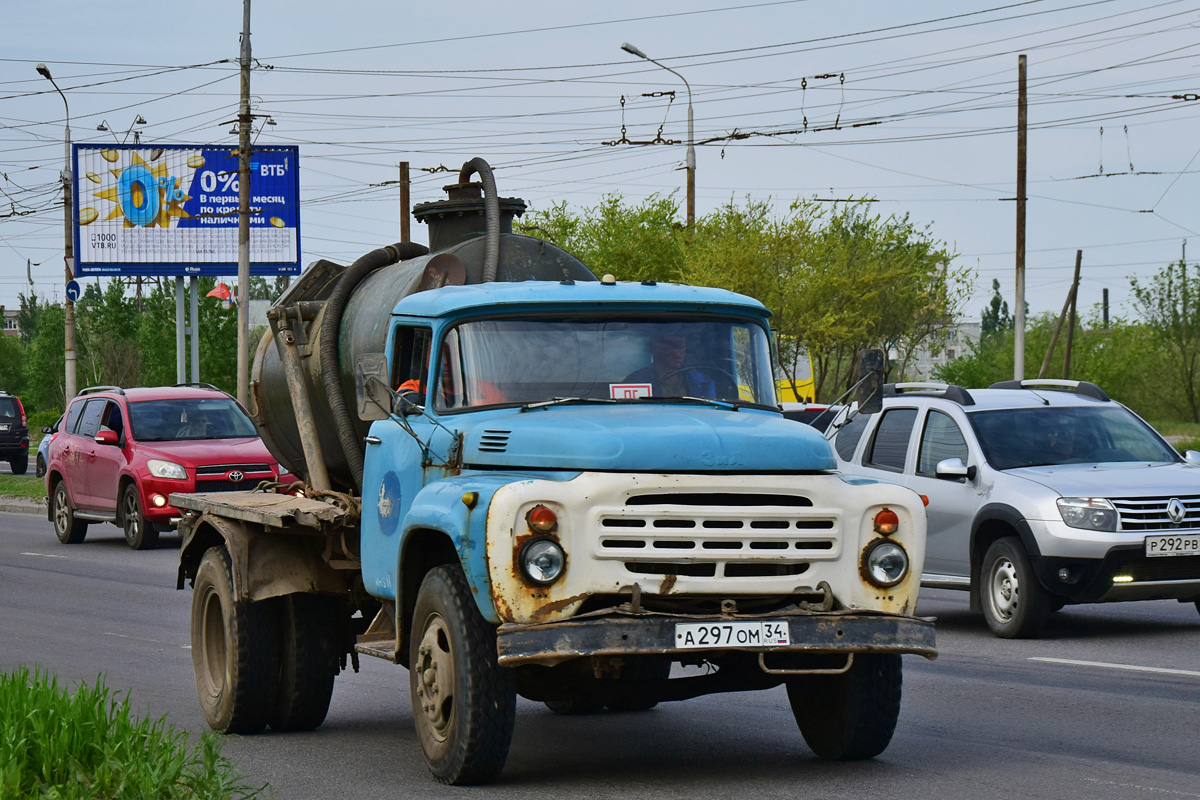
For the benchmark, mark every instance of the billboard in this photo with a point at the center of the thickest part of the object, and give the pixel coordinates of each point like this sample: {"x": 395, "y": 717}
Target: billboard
{"x": 173, "y": 210}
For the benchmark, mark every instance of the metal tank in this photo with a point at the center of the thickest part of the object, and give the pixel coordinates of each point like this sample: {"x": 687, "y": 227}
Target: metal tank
{"x": 303, "y": 377}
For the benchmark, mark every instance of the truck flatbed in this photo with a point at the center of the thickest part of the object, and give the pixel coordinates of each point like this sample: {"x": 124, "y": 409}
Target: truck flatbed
{"x": 273, "y": 510}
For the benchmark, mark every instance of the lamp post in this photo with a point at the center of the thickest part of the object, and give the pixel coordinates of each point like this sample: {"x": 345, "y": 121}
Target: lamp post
{"x": 68, "y": 244}
{"x": 137, "y": 135}
{"x": 691, "y": 143}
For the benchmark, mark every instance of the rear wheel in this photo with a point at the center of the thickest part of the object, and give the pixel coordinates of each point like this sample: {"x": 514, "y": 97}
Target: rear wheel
{"x": 234, "y": 650}
{"x": 68, "y": 529}
{"x": 853, "y": 715}
{"x": 19, "y": 464}
{"x": 1014, "y": 604}
{"x": 464, "y": 703}
{"x": 630, "y": 693}
{"x": 308, "y": 655}
{"x": 139, "y": 534}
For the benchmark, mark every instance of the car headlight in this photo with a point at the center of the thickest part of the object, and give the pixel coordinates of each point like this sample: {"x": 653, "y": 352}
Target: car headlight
{"x": 1090, "y": 513}
{"x": 166, "y": 469}
{"x": 885, "y": 563}
{"x": 284, "y": 470}
{"x": 543, "y": 561}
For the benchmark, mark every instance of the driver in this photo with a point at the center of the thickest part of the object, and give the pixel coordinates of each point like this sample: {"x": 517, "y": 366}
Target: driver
{"x": 667, "y": 375}
{"x": 1061, "y": 438}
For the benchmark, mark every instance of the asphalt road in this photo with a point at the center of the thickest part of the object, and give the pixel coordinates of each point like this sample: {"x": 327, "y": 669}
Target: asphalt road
{"x": 987, "y": 719}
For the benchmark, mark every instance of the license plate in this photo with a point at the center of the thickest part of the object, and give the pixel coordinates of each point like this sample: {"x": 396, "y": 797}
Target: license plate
{"x": 1173, "y": 544}
{"x": 697, "y": 635}
{"x": 4, "y": 427}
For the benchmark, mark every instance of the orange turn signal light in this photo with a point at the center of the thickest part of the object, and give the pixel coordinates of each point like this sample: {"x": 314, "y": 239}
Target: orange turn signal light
{"x": 541, "y": 519}
{"x": 887, "y": 522}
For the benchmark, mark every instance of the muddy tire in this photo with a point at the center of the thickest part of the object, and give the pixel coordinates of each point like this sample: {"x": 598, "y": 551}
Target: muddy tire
{"x": 139, "y": 534}
{"x": 463, "y": 702}
{"x": 308, "y": 660}
{"x": 68, "y": 529}
{"x": 234, "y": 650}
{"x": 1014, "y": 603}
{"x": 851, "y": 716}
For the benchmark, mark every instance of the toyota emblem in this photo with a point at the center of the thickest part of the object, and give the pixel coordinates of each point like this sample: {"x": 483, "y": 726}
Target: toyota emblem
{"x": 236, "y": 476}
{"x": 1176, "y": 510}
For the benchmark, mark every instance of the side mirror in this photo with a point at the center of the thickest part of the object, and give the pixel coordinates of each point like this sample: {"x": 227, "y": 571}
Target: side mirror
{"x": 1192, "y": 457}
{"x": 870, "y": 387}
{"x": 954, "y": 469}
{"x": 47, "y": 429}
{"x": 371, "y": 387}
{"x": 107, "y": 437}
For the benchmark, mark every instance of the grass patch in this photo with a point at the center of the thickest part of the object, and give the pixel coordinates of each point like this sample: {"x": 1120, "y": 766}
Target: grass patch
{"x": 1177, "y": 428}
{"x": 20, "y": 486}
{"x": 87, "y": 744}
{"x": 1187, "y": 443}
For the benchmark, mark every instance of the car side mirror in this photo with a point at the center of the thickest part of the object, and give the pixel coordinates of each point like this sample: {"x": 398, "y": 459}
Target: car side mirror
{"x": 107, "y": 437}
{"x": 47, "y": 429}
{"x": 1192, "y": 457}
{"x": 371, "y": 387}
{"x": 954, "y": 469}
{"x": 870, "y": 384}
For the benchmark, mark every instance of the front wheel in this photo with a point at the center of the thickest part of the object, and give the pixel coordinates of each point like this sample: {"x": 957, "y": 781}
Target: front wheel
{"x": 1014, "y": 604}
{"x": 68, "y": 529}
{"x": 139, "y": 534}
{"x": 464, "y": 703}
{"x": 234, "y": 650}
{"x": 39, "y": 467}
{"x": 853, "y": 715}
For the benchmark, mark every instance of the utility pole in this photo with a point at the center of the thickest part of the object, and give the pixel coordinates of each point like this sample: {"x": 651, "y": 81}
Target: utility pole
{"x": 1019, "y": 311}
{"x": 405, "y": 210}
{"x": 68, "y": 246}
{"x": 1071, "y": 322}
{"x": 1068, "y": 304}
{"x": 243, "y": 287}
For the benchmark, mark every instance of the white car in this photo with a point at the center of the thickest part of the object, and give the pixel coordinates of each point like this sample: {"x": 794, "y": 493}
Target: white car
{"x": 1040, "y": 494}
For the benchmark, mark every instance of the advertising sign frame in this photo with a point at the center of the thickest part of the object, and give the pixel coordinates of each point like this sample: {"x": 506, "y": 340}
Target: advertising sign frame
{"x": 172, "y": 210}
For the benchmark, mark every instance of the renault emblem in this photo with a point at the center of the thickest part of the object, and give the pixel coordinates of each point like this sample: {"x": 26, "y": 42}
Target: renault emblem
{"x": 1176, "y": 510}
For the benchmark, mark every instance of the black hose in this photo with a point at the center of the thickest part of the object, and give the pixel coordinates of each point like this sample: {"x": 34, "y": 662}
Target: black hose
{"x": 330, "y": 328}
{"x": 491, "y": 214}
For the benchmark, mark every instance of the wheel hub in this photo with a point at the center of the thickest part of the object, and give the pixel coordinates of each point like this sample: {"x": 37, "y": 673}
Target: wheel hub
{"x": 435, "y": 677}
{"x": 1006, "y": 590}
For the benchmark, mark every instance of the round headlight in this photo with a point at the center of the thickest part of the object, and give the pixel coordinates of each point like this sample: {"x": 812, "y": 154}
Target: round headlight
{"x": 885, "y": 563}
{"x": 543, "y": 561}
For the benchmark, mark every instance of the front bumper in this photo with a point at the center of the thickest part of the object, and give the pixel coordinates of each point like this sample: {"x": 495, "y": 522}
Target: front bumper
{"x": 1124, "y": 573}
{"x": 621, "y": 633}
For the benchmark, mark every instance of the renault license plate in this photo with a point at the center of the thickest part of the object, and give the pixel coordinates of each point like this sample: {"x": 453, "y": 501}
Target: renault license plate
{"x": 1173, "y": 544}
{"x": 697, "y": 635}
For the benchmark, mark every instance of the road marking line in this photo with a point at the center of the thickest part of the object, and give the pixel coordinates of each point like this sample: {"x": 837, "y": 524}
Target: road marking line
{"x": 43, "y": 555}
{"x": 1130, "y": 667}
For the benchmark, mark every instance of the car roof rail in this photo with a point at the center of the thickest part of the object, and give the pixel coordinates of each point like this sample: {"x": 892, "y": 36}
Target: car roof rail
{"x": 94, "y": 389}
{"x": 195, "y": 385}
{"x": 1083, "y": 388}
{"x": 949, "y": 391}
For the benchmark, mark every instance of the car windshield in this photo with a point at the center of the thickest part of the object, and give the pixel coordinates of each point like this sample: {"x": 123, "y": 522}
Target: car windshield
{"x": 189, "y": 418}
{"x": 1032, "y": 437}
{"x": 601, "y": 359}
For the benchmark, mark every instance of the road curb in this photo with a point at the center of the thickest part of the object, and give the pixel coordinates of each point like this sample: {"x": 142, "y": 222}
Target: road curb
{"x": 16, "y": 505}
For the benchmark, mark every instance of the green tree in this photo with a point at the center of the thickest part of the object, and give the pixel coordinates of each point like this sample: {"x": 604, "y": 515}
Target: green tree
{"x": 995, "y": 317}
{"x": 12, "y": 354}
{"x": 1170, "y": 305}
{"x": 44, "y": 363}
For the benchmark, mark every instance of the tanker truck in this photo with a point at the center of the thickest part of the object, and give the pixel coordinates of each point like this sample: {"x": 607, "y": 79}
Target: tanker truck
{"x": 517, "y": 479}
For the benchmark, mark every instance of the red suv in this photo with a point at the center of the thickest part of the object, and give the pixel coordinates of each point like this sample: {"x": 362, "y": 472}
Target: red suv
{"x": 120, "y": 453}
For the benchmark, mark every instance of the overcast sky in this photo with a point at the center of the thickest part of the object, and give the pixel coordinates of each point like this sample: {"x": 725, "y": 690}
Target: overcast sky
{"x": 913, "y": 104}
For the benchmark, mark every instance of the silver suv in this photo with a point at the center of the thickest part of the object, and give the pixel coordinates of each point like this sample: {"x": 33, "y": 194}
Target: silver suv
{"x": 1040, "y": 494}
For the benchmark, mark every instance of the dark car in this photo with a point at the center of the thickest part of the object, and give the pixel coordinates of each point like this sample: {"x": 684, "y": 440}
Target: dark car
{"x": 14, "y": 434}
{"x": 120, "y": 454}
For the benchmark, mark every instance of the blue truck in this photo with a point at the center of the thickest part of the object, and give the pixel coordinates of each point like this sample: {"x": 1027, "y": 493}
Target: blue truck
{"x": 517, "y": 479}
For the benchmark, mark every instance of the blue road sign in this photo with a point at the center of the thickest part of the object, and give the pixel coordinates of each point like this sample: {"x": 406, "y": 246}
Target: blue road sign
{"x": 73, "y": 290}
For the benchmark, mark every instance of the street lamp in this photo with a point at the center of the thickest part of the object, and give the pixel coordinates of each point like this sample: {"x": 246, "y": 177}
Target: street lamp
{"x": 691, "y": 142}
{"x": 68, "y": 243}
{"x": 137, "y": 135}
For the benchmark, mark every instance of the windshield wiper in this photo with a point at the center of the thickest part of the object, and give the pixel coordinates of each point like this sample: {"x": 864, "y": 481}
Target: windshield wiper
{"x": 560, "y": 401}
{"x": 708, "y": 401}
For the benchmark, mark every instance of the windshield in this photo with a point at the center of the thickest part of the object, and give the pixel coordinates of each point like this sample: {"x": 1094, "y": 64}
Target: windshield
{"x": 508, "y": 361}
{"x": 189, "y": 418}
{"x": 1031, "y": 437}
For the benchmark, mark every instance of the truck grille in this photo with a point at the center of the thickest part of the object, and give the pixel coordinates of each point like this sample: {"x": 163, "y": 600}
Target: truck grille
{"x": 718, "y": 535}
{"x": 1150, "y": 513}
